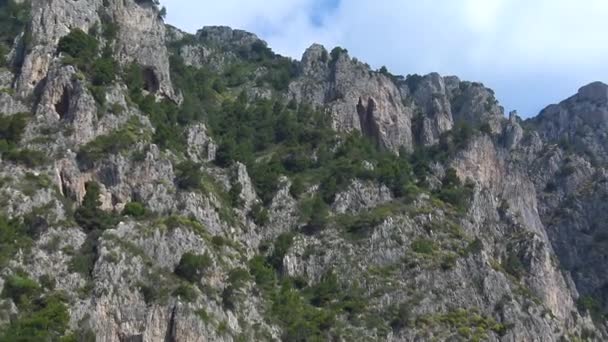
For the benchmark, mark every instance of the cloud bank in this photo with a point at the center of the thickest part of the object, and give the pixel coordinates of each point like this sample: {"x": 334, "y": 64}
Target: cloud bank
{"x": 532, "y": 53}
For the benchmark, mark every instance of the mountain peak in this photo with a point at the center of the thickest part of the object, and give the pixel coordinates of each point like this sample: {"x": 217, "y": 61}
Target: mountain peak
{"x": 596, "y": 92}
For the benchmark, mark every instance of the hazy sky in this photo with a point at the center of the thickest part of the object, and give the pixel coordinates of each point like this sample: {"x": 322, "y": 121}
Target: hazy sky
{"x": 531, "y": 52}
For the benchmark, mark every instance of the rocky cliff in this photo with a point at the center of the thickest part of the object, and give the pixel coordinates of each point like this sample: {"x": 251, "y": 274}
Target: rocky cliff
{"x": 165, "y": 186}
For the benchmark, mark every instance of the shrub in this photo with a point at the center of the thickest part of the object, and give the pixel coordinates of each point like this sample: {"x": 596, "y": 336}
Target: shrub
{"x": 134, "y": 209}
{"x": 186, "y": 292}
{"x": 83, "y": 262}
{"x": 262, "y": 273}
{"x": 326, "y": 291}
{"x": 20, "y": 289}
{"x": 259, "y": 215}
{"x": 188, "y": 175}
{"x": 14, "y": 17}
{"x": 514, "y": 266}
{"x": 103, "y": 71}
{"x": 46, "y": 320}
{"x": 26, "y": 157}
{"x": 235, "y": 195}
{"x": 192, "y": 266}
{"x": 13, "y": 237}
{"x": 281, "y": 247}
{"x": 113, "y": 143}
{"x": 81, "y": 46}
{"x": 591, "y": 305}
{"x": 89, "y": 215}
{"x": 318, "y": 216}
{"x": 297, "y": 187}
{"x": 423, "y": 246}
{"x": 3, "y": 53}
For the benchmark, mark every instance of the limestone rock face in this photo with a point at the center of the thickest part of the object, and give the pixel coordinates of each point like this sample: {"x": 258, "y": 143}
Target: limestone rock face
{"x": 50, "y": 21}
{"x": 520, "y": 261}
{"x": 141, "y": 39}
{"x": 200, "y": 146}
{"x": 357, "y": 98}
{"x": 435, "y": 113}
{"x": 581, "y": 119}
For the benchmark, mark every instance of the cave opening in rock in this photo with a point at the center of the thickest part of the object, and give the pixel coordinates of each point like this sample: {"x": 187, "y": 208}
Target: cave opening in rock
{"x": 62, "y": 107}
{"x": 151, "y": 83}
{"x": 369, "y": 127}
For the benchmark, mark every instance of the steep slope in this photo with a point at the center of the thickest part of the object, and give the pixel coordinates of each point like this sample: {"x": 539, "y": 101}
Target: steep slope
{"x": 573, "y": 186}
{"x": 163, "y": 186}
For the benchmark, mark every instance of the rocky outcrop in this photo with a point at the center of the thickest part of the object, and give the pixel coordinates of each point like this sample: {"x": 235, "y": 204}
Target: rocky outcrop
{"x": 357, "y": 98}
{"x": 201, "y": 147}
{"x": 523, "y": 260}
{"x": 140, "y": 38}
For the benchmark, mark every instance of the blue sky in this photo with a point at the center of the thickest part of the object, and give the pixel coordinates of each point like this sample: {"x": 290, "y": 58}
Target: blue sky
{"x": 532, "y": 53}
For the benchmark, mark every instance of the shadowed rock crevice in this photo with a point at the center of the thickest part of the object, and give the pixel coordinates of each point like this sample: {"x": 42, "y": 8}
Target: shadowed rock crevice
{"x": 62, "y": 107}
{"x": 151, "y": 83}
{"x": 369, "y": 128}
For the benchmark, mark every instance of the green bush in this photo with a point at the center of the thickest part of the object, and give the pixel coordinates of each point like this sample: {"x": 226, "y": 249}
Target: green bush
{"x": 317, "y": 213}
{"x": 89, "y": 215}
{"x": 113, "y": 143}
{"x": 26, "y": 157}
{"x": 103, "y": 71}
{"x": 188, "y": 175}
{"x": 83, "y": 261}
{"x": 13, "y": 237}
{"x": 14, "y": 18}
{"x": 12, "y": 127}
{"x": 186, "y": 292}
{"x": 192, "y": 266}
{"x": 46, "y": 320}
{"x": 423, "y": 246}
{"x": 326, "y": 291}
{"x": 281, "y": 247}
{"x": 263, "y": 274}
{"x": 20, "y": 289}
{"x": 514, "y": 266}
{"x": 81, "y": 46}
{"x": 3, "y": 52}
{"x": 134, "y": 209}
{"x": 259, "y": 215}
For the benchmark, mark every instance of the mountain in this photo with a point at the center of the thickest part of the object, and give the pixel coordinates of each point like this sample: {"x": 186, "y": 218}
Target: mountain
{"x": 165, "y": 186}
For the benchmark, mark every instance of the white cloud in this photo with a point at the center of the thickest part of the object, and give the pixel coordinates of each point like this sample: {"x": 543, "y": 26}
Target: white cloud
{"x": 519, "y": 47}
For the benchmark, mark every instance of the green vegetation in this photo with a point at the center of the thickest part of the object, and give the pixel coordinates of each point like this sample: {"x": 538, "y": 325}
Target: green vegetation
{"x": 281, "y": 246}
{"x": 80, "y": 46}
{"x": 20, "y": 289}
{"x": 116, "y": 142}
{"x": 453, "y": 192}
{"x": 469, "y": 324}
{"x": 89, "y": 215}
{"x": 188, "y": 175}
{"x": 11, "y": 130}
{"x": 134, "y": 209}
{"x": 41, "y": 317}
{"x": 423, "y": 246}
{"x": 592, "y": 306}
{"x": 362, "y": 224}
{"x": 306, "y": 313}
{"x": 83, "y": 51}
{"x": 192, "y": 266}
{"x": 13, "y": 237}
{"x": 14, "y": 17}
{"x": 513, "y": 265}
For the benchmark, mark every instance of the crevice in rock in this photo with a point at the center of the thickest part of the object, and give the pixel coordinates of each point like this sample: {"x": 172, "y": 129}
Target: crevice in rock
{"x": 132, "y": 338}
{"x": 170, "y": 335}
{"x": 62, "y": 107}
{"x": 65, "y": 189}
{"x": 369, "y": 128}
{"x": 151, "y": 82}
